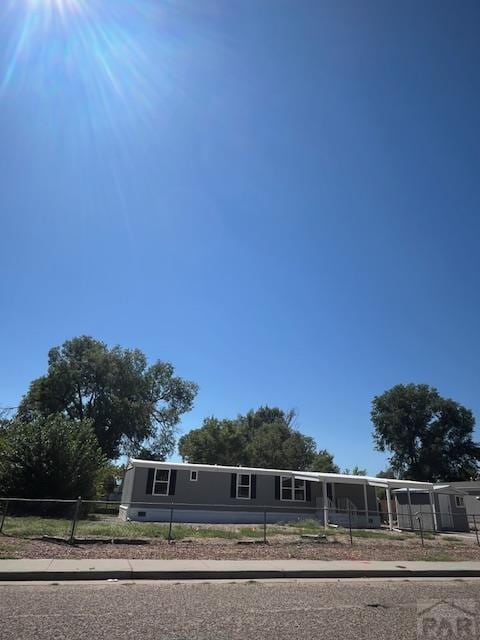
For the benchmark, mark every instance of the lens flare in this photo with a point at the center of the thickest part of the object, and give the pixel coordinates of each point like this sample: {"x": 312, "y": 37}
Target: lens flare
{"x": 101, "y": 60}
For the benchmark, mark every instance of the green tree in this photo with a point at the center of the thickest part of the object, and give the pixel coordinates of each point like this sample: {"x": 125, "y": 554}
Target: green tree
{"x": 262, "y": 438}
{"x": 110, "y": 478}
{"x": 53, "y": 457}
{"x": 430, "y": 437}
{"x": 323, "y": 462}
{"x": 215, "y": 442}
{"x": 128, "y": 402}
{"x": 356, "y": 471}
{"x": 278, "y": 446}
{"x": 386, "y": 473}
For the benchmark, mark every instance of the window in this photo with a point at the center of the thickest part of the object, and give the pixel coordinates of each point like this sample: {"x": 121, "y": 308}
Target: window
{"x": 292, "y": 489}
{"x": 459, "y": 501}
{"x": 142, "y": 514}
{"x": 244, "y": 486}
{"x": 193, "y": 476}
{"x": 161, "y": 482}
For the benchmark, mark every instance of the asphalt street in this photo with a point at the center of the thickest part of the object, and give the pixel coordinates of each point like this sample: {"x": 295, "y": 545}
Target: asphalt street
{"x": 219, "y": 611}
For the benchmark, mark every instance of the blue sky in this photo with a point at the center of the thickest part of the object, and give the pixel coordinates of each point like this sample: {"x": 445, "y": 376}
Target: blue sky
{"x": 280, "y": 197}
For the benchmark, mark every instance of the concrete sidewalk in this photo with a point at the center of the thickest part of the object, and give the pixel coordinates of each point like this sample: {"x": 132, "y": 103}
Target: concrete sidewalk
{"x": 48, "y": 570}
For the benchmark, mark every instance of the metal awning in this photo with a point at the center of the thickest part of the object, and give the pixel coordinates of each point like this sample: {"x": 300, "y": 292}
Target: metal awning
{"x": 299, "y": 476}
{"x": 382, "y": 485}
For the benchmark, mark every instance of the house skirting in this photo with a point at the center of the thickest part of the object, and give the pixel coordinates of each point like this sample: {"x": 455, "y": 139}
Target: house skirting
{"x": 149, "y": 513}
{"x": 213, "y": 516}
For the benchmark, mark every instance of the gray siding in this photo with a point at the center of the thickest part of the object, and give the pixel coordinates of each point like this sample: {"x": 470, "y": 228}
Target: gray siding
{"x": 127, "y": 487}
{"x": 210, "y": 497}
{"x": 421, "y": 504}
{"x": 213, "y": 488}
{"x": 460, "y": 520}
{"x": 472, "y": 506}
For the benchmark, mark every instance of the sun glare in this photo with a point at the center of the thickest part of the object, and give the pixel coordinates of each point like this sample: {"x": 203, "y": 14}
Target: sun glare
{"x": 59, "y": 5}
{"x": 94, "y": 55}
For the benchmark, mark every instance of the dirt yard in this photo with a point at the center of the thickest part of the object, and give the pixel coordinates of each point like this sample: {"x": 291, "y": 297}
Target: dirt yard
{"x": 337, "y": 547}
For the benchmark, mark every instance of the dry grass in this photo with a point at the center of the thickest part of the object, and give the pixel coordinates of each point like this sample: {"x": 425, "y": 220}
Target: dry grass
{"x": 221, "y": 542}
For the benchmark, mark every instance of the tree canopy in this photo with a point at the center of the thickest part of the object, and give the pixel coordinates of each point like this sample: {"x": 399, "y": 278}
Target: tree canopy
{"x": 323, "y": 462}
{"x": 53, "y": 457}
{"x": 430, "y": 437}
{"x": 387, "y": 473}
{"x": 128, "y": 402}
{"x": 262, "y": 438}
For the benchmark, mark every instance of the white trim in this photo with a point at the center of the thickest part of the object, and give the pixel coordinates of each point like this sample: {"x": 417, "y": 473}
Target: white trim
{"x": 325, "y": 504}
{"x": 410, "y": 514}
{"x": 431, "y": 497}
{"x": 365, "y": 500}
{"x": 389, "y": 508}
{"x": 192, "y": 479}
{"x": 293, "y": 489}
{"x": 301, "y": 476}
{"x": 239, "y": 475}
{"x": 162, "y": 481}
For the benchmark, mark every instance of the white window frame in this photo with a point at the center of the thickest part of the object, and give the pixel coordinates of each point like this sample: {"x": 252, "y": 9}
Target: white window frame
{"x": 154, "y": 493}
{"x": 459, "y": 502}
{"x": 293, "y": 489}
{"x": 238, "y": 485}
{"x": 193, "y": 479}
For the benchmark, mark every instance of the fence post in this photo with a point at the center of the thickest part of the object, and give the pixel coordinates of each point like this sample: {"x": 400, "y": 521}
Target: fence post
{"x": 76, "y": 515}
{"x": 4, "y": 515}
{"x": 474, "y": 524}
{"x": 350, "y": 523}
{"x": 265, "y": 527}
{"x": 420, "y": 525}
{"x": 170, "y": 525}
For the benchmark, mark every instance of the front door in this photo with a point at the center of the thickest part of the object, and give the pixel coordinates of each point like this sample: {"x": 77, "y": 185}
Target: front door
{"x": 446, "y": 517}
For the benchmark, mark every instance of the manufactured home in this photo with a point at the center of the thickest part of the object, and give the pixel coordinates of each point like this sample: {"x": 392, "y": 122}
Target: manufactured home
{"x": 222, "y": 494}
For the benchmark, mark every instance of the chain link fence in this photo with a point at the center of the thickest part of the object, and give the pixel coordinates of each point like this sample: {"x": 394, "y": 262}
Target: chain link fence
{"x": 88, "y": 521}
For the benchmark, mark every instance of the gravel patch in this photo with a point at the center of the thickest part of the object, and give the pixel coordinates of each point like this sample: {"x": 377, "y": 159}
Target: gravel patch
{"x": 336, "y": 548}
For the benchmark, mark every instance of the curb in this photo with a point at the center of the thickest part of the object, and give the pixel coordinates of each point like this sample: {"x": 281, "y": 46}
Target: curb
{"x": 48, "y": 576}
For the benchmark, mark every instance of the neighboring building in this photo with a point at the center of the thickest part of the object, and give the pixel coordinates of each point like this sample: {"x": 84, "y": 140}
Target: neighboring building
{"x": 211, "y": 493}
{"x": 415, "y": 509}
{"x": 470, "y": 491}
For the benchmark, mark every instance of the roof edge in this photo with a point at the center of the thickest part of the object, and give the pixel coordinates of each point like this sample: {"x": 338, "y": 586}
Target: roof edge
{"x": 333, "y": 477}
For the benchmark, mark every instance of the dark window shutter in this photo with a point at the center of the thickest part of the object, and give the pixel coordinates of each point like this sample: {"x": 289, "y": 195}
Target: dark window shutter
{"x": 172, "y": 483}
{"x": 308, "y": 490}
{"x": 277, "y": 487}
{"x": 150, "y": 476}
{"x": 253, "y": 488}
{"x": 233, "y": 486}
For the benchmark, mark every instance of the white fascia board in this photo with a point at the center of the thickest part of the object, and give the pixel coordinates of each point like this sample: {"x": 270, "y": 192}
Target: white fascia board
{"x": 408, "y": 484}
{"x": 306, "y": 475}
{"x": 301, "y": 476}
{"x": 312, "y": 476}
